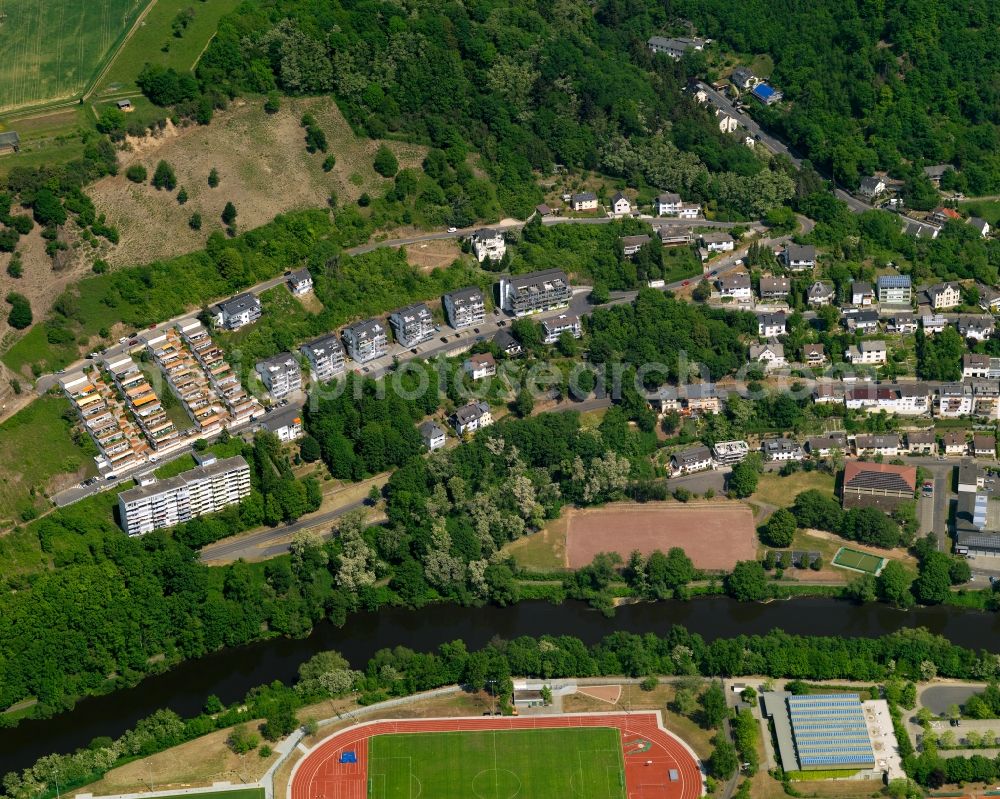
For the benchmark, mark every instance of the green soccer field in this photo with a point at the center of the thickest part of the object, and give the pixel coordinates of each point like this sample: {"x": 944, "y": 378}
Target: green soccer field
{"x": 858, "y": 561}
{"x": 584, "y": 763}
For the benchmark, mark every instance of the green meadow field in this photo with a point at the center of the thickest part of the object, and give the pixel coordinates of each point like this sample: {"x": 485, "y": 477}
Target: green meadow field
{"x": 51, "y": 49}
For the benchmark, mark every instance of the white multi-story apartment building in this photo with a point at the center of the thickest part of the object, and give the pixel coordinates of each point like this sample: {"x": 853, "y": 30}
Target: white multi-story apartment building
{"x": 535, "y": 292}
{"x": 975, "y": 364}
{"x": 675, "y": 47}
{"x": 207, "y": 488}
{"x": 620, "y": 205}
{"x": 782, "y": 449}
{"x": 240, "y": 311}
{"x": 557, "y": 325}
{"x": 668, "y": 204}
{"x": 799, "y": 257}
{"x": 726, "y": 453}
{"x": 480, "y": 365}
{"x": 695, "y": 459}
{"x": 894, "y": 289}
{"x": 464, "y": 308}
{"x": 471, "y": 417}
{"x": 954, "y": 400}
{"x": 736, "y": 285}
{"x": 488, "y": 243}
{"x": 770, "y": 325}
{"x": 433, "y": 435}
{"x": 326, "y": 358}
{"x": 300, "y": 282}
{"x": 412, "y": 325}
{"x": 584, "y": 201}
{"x": 718, "y": 242}
{"x": 944, "y": 295}
{"x": 366, "y": 340}
{"x": 281, "y": 374}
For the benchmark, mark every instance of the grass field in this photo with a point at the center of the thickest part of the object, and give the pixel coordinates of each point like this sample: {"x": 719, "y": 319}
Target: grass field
{"x": 36, "y": 447}
{"x": 502, "y": 764}
{"x": 51, "y": 49}
{"x": 773, "y": 489}
{"x": 848, "y": 558}
{"x": 987, "y": 209}
{"x": 147, "y": 44}
{"x": 239, "y": 793}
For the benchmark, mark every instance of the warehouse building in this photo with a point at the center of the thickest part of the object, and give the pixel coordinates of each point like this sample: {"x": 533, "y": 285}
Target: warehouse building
{"x": 817, "y": 732}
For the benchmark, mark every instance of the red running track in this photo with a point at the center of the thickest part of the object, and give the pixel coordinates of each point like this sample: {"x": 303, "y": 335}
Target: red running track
{"x": 321, "y": 775}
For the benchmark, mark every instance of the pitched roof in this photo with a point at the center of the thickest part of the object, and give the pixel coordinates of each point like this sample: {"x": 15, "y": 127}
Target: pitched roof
{"x": 880, "y": 476}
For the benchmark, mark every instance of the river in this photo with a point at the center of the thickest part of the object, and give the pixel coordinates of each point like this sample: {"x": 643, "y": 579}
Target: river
{"x": 229, "y": 674}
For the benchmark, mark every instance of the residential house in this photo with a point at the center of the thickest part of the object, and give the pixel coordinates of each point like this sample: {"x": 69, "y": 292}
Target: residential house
{"x": 976, "y": 327}
{"x": 433, "y": 435}
{"x": 632, "y": 244}
{"x": 326, "y": 358}
{"x": 584, "y": 201}
{"x": 772, "y": 355}
{"x": 986, "y": 396}
{"x": 480, "y": 365}
{"x": 782, "y": 449}
{"x": 984, "y": 445}
{"x": 240, "y": 311}
{"x": 300, "y": 282}
{"x": 742, "y": 78}
{"x": 472, "y": 417}
{"x": 694, "y": 459}
{"x": 940, "y": 215}
{"x": 728, "y": 453}
{"x": 820, "y": 293}
{"x": 861, "y": 397}
{"x": 668, "y": 204}
{"x": 773, "y": 288}
{"x": 663, "y": 400}
{"x": 488, "y": 243}
{"x": 907, "y": 399}
{"x": 813, "y": 354}
{"x": 366, "y": 340}
{"x": 281, "y": 375}
{"x": 919, "y": 230}
{"x": 902, "y": 323}
{"x": 861, "y": 293}
{"x": 989, "y": 298}
{"x": 535, "y": 292}
{"x": 677, "y": 46}
{"x": 770, "y": 325}
{"x": 799, "y": 257}
{"x": 824, "y": 446}
{"x": 717, "y": 242}
{"x": 886, "y": 445}
{"x": 863, "y": 322}
{"x": 935, "y": 172}
{"x": 895, "y": 289}
{"x": 975, "y": 365}
{"x": 921, "y": 442}
{"x": 933, "y": 324}
{"x": 867, "y": 352}
{"x": 971, "y": 477}
{"x": 726, "y": 123}
{"x": 464, "y": 308}
{"x": 554, "y": 327}
{"x": 955, "y": 443}
{"x": 675, "y": 237}
{"x": 871, "y": 187}
{"x": 700, "y": 398}
{"x": 689, "y": 211}
{"x": 412, "y": 325}
{"x": 878, "y": 485}
{"x": 942, "y": 296}
{"x": 285, "y": 424}
{"x": 508, "y": 345}
{"x": 620, "y": 205}
{"x": 735, "y": 285}
{"x": 954, "y": 400}
{"x": 827, "y": 392}
{"x": 980, "y": 225}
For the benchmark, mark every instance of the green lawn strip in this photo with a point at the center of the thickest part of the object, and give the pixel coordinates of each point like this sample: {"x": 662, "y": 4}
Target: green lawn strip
{"x": 35, "y": 445}
{"x": 532, "y": 764}
{"x": 827, "y": 774}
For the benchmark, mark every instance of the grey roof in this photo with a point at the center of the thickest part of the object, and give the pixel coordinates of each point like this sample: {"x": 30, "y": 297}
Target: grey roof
{"x": 367, "y": 328}
{"x": 10, "y": 138}
{"x": 486, "y": 233}
{"x": 471, "y": 412}
{"x": 430, "y": 429}
{"x": 894, "y": 282}
{"x": 978, "y": 223}
{"x": 504, "y": 340}
{"x": 829, "y": 730}
{"x": 870, "y": 183}
{"x": 283, "y": 361}
{"x": 820, "y": 289}
{"x": 877, "y": 441}
{"x": 800, "y": 252}
{"x": 769, "y": 319}
{"x": 773, "y": 285}
{"x": 781, "y": 445}
{"x": 742, "y": 75}
{"x": 634, "y": 241}
{"x": 716, "y": 238}
{"x": 619, "y": 196}
{"x": 935, "y": 171}
{"x": 300, "y": 275}
{"x": 734, "y": 280}
{"x": 668, "y": 198}
{"x": 412, "y": 313}
{"x": 466, "y": 296}
{"x": 583, "y": 196}
{"x": 324, "y": 343}
{"x": 861, "y": 287}
{"x": 921, "y": 437}
{"x": 239, "y": 303}
{"x": 692, "y": 455}
{"x": 182, "y": 479}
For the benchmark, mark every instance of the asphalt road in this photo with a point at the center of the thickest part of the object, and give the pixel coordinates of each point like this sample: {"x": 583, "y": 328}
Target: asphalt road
{"x": 259, "y": 545}
{"x": 938, "y": 698}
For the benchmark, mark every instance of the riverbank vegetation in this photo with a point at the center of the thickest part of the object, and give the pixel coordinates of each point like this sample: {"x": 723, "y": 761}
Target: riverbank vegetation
{"x": 907, "y": 655}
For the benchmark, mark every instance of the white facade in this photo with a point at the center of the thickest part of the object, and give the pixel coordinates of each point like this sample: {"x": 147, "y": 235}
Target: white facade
{"x": 472, "y": 417}
{"x": 205, "y": 489}
{"x": 281, "y": 375}
{"x": 668, "y": 204}
{"x": 326, "y": 358}
{"x": 465, "y": 307}
{"x": 238, "y": 312}
{"x": 488, "y": 244}
{"x": 867, "y": 352}
{"x": 620, "y": 205}
{"x": 412, "y": 325}
{"x": 553, "y": 328}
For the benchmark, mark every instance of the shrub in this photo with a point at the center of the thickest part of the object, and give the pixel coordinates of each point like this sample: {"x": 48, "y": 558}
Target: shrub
{"x": 20, "y": 311}
{"x": 329, "y": 163}
{"x": 182, "y": 196}
{"x": 194, "y": 222}
{"x": 213, "y": 178}
{"x": 136, "y": 173}
{"x": 229, "y": 214}
{"x": 164, "y": 177}
{"x": 385, "y": 162}
{"x": 273, "y": 103}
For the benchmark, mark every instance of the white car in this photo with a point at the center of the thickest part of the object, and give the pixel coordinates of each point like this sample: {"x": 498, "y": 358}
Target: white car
{"x": 453, "y": 230}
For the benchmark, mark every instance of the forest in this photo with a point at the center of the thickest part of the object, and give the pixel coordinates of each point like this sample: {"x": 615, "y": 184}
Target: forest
{"x": 895, "y": 85}
{"x": 527, "y": 85}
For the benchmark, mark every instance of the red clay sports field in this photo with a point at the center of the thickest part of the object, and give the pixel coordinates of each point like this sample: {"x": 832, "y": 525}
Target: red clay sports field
{"x": 322, "y": 775}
